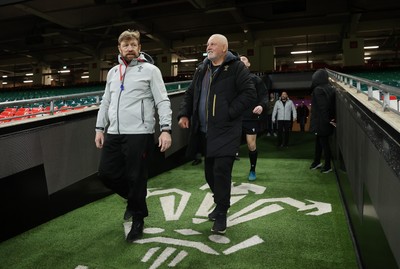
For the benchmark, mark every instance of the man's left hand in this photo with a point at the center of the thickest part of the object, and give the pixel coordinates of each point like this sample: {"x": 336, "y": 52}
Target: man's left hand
{"x": 164, "y": 141}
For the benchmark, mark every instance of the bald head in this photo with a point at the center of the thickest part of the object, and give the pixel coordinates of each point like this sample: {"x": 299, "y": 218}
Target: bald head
{"x": 217, "y": 47}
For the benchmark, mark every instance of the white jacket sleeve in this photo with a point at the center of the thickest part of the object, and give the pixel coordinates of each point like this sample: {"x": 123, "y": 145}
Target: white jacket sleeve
{"x": 102, "y": 116}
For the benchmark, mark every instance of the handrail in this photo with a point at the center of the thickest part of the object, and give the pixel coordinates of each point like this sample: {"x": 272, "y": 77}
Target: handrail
{"x": 386, "y": 90}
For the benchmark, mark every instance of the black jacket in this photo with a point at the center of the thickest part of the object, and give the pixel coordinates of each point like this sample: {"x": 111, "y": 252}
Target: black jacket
{"x": 323, "y": 104}
{"x": 262, "y": 98}
{"x": 231, "y": 92}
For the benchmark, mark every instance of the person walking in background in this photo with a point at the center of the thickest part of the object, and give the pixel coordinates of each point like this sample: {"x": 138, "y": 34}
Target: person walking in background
{"x": 213, "y": 105}
{"x": 134, "y": 90}
{"x": 302, "y": 115}
{"x": 323, "y": 117}
{"x": 251, "y": 119}
{"x": 271, "y": 125}
{"x": 285, "y": 113}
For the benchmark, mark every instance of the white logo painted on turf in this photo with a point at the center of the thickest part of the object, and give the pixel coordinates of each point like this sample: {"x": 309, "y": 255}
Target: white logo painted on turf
{"x": 173, "y": 203}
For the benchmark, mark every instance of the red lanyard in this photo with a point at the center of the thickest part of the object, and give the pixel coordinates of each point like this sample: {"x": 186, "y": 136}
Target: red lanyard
{"x": 122, "y": 76}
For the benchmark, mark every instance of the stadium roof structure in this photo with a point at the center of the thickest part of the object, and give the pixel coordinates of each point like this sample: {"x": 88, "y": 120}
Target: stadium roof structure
{"x": 76, "y": 32}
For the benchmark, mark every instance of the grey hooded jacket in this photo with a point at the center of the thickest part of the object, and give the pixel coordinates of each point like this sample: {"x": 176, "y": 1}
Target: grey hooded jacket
{"x": 132, "y": 94}
{"x": 284, "y": 112}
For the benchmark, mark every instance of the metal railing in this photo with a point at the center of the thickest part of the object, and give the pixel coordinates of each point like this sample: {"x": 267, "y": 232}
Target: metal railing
{"x": 384, "y": 90}
{"x": 174, "y": 88}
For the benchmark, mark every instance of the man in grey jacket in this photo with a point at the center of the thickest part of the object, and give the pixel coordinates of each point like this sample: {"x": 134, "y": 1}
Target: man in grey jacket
{"x": 134, "y": 90}
{"x": 284, "y": 112}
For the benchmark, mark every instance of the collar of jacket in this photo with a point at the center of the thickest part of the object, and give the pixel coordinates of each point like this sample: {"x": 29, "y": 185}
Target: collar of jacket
{"x": 143, "y": 57}
{"x": 230, "y": 57}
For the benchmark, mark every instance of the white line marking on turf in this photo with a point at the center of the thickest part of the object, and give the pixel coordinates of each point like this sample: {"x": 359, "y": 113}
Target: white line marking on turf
{"x": 255, "y": 240}
{"x": 181, "y": 255}
{"x": 149, "y": 254}
{"x": 163, "y": 257}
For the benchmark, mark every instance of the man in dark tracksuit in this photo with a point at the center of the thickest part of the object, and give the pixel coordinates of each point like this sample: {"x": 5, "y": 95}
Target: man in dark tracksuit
{"x": 323, "y": 116}
{"x": 220, "y": 92}
{"x": 251, "y": 119}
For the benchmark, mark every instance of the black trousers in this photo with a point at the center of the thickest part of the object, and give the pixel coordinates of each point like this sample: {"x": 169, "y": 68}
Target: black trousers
{"x": 322, "y": 144}
{"x": 283, "y": 132}
{"x": 271, "y": 126}
{"x": 218, "y": 173}
{"x": 124, "y": 167}
{"x": 302, "y": 122}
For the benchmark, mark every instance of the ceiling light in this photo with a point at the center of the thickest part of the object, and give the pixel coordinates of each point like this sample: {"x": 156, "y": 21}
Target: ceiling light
{"x": 367, "y": 58}
{"x": 302, "y": 62}
{"x": 29, "y": 74}
{"x": 28, "y": 81}
{"x": 367, "y": 53}
{"x": 301, "y": 52}
{"x": 84, "y": 76}
{"x": 4, "y": 83}
{"x": 64, "y": 71}
{"x": 5, "y": 76}
{"x": 188, "y": 60}
{"x": 371, "y": 47}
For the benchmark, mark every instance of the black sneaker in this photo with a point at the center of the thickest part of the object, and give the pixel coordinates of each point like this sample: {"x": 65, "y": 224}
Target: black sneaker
{"x": 315, "y": 166}
{"x": 326, "y": 170}
{"x": 136, "y": 231}
{"x": 128, "y": 215}
{"x": 219, "y": 226}
{"x": 213, "y": 215}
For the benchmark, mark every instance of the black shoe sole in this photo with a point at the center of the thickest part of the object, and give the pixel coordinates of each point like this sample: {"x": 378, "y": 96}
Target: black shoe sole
{"x": 218, "y": 232}
{"x": 316, "y": 167}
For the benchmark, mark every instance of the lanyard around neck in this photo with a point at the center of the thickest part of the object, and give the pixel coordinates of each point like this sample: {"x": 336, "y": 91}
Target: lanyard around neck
{"x": 122, "y": 76}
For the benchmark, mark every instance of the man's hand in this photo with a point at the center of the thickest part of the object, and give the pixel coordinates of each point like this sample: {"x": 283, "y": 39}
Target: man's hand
{"x": 183, "y": 122}
{"x": 99, "y": 139}
{"x": 164, "y": 141}
{"x": 258, "y": 110}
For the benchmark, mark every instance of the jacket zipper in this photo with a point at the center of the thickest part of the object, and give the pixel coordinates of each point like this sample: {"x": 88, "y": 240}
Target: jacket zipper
{"x": 142, "y": 111}
{"x": 214, "y": 102}
{"x": 119, "y": 98}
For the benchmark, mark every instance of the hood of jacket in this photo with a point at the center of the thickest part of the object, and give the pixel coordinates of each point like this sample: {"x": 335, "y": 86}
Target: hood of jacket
{"x": 143, "y": 57}
{"x": 320, "y": 77}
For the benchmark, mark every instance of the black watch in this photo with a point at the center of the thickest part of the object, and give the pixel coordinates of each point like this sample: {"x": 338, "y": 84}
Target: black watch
{"x": 168, "y": 131}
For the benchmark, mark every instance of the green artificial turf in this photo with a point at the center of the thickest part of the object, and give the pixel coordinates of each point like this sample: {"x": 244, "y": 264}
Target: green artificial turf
{"x": 93, "y": 236}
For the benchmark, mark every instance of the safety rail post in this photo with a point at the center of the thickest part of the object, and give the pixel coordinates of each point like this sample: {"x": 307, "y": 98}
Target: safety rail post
{"x": 52, "y": 107}
{"x": 370, "y": 93}
{"x": 386, "y": 100}
{"x": 358, "y": 86}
